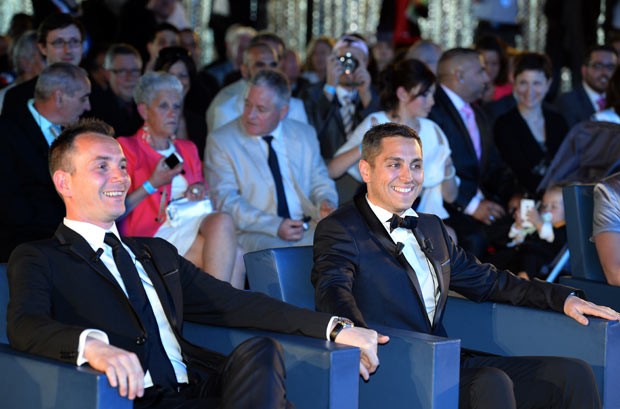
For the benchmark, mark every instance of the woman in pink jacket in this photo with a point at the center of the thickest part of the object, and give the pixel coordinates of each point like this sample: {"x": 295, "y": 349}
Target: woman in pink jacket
{"x": 164, "y": 170}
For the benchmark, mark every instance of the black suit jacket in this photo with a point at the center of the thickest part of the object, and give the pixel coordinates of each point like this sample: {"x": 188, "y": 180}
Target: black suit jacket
{"x": 489, "y": 174}
{"x": 123, "y": 117}
{"x": 59, "y": 287}
{"x": 520, "y": 150}
{"x": 575, "y": 106}
{"x": 18, "y": 96}
{"x": 30, "y": 208}
{"x": 358, "y": 274}
{"x": 325, "y": 116}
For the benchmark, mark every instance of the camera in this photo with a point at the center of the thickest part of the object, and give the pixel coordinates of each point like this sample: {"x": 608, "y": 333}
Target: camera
{"x": 349, "y": 63}
{"x": 172, "y": 160}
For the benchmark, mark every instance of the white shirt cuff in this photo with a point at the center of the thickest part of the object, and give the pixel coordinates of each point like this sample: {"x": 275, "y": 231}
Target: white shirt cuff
{"x": 330, "y": 327}
{"x": 474, "y": 203}
{"x": 94, "y": 333}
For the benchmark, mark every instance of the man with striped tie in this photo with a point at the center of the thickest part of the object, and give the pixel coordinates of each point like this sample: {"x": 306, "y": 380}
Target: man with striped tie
{"x": 337, "y": 106}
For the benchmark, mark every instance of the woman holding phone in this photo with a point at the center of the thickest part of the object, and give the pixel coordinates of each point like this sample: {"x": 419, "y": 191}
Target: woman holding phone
{"x": 167, "y": 197}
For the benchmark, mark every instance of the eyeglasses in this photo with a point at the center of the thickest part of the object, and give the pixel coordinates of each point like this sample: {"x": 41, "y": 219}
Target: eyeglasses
{"x": 126, "y": 71}
{"x": 62, "y": 43}
{"x": 600, "y": 66}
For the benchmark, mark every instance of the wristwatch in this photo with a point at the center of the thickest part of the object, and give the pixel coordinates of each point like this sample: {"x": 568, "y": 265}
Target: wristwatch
{"x": 340, "y": 324}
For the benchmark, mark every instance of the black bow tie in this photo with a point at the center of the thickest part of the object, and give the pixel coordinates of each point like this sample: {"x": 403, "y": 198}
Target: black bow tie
{"x": 407, "y": 222}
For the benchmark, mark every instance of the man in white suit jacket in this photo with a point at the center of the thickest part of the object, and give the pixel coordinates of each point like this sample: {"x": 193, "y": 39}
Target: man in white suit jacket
{"x": 242, "y": 182}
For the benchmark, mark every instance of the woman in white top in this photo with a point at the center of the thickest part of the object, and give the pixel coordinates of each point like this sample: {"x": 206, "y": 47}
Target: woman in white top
{"x": 407, "y": 97}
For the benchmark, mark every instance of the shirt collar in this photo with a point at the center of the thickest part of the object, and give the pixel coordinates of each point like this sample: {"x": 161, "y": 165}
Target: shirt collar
{"x": 593, "y": 95}
{"x": 457, "y": 101}
{"x": 43, "y": 123}
{"x": 385, "y": 216}
{"x": 276, "y": 133}
{"x": 93, "y": 234}
{"x": 343, "y": 93}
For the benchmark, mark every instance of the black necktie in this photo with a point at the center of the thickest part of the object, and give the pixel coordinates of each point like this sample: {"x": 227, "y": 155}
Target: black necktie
{"x": 407, "y": 222}
{"x": 157, "y": 360}
{"x": 274, "y": 166}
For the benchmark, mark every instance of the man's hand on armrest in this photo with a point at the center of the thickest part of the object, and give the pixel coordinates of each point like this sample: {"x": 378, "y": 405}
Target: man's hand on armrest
{"x": 122, "y": 368}
{"x": 576, "y": 308}
{"x": 366, "y": 340}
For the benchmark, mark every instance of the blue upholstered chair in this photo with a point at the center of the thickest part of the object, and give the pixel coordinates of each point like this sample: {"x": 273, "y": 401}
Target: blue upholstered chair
{"x": 320, "y": 374}
{"x": 586, "y": 269}
{"x": 489, "y": 327}
{"x": 417, "y": 370}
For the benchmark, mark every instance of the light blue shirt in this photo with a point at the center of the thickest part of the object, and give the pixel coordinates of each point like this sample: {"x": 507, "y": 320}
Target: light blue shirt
{"x": 49, "y": 129}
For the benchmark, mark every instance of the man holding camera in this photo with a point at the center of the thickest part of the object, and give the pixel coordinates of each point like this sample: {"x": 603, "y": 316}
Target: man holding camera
{"x": 337, "y": 106}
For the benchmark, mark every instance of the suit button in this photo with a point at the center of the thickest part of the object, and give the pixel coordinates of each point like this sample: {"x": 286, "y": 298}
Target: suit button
{"x": 140, "y": 340}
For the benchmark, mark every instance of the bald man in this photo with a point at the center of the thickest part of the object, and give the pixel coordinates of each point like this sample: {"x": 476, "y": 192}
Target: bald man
{"x": 478, "y": 214}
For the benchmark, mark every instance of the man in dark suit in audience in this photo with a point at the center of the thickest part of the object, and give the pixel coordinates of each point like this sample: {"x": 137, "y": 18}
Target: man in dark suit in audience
{"x": 486, "y": 183}
{"x": 29, "y": 205}
{"x": 60, "y": 39}
{"x": 338, "y": 105}
{"x": 89, "y": 296}
{"x": 115, "y": 105}
{"x": 589, "y": 97}
{"x": 378, "y": 262}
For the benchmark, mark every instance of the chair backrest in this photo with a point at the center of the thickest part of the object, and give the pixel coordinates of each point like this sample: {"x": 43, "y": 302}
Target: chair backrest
{"x": 578, "y": 209}
{"x": 4, "y": 302}
{"x": 282, "y": 273}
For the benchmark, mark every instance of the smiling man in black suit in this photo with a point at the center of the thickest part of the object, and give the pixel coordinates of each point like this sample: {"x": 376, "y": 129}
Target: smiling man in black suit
{"x": 379, "y": 263}
{"x": 88, "y": 295}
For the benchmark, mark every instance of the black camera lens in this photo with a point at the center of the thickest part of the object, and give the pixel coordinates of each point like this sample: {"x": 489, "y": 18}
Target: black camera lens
{"x": 349, "y": 63}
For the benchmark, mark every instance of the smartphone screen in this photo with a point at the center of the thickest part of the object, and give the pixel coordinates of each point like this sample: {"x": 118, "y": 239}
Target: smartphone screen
{"x": 172, "y": 160}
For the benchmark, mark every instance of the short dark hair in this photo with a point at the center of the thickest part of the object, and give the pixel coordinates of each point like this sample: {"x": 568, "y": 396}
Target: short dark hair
{"x": 598, "y": 47}
{"x": 407, "y": 74}
{"x": 65, "y": 143}
{"x": 533, "y": 62}
{"x": 371, "y": 144}
{"x": 119, "y": 49}
{"x": 57, "y": 21}
{"x": 169, "y": 56}
{"x": 162, "y": 27}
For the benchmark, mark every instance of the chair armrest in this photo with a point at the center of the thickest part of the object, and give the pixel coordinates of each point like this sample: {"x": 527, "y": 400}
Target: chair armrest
{"x": 417, "y": 371}
{"x": 29, "y": 381}
{"x": 597, "y": 292}
{"x": 319, "y": 374}
{"x": 512, "y": 331}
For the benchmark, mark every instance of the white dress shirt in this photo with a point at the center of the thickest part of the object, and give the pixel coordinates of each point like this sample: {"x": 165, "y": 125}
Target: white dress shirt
{"x": 284, "y": 161}
{"x": 95, "y": 235}
{"x": 415, "y": 257}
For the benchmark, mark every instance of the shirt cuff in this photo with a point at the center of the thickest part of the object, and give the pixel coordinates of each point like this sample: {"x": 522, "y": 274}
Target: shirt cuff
{"x": 94, "y": 333}
{"x": 474, "y": 203}
{"x": 330, "y": 327}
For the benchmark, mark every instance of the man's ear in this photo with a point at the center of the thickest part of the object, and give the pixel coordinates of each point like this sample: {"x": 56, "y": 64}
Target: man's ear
{"x": 62, "y": 183}
{"x": 245, "y": 71}
{"x": 58, "y": 95}
{"x": 42, "y": 50}
{"x": 283, "y": 112}
{"x": 364, "y": 170}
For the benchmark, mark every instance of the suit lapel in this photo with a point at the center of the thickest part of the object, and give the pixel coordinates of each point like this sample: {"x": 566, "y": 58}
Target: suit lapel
{"x": 144, "y": 256}
{"x": 381, "y": 235}
{"x": 75, "y": 244}
{"x": 456, "y": 118}
{"x": 424, "y": 245}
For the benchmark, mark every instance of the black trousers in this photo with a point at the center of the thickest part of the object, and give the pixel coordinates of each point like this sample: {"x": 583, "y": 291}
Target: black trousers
{"x": 490, "y": 382}
{"x": 252, "y": 376}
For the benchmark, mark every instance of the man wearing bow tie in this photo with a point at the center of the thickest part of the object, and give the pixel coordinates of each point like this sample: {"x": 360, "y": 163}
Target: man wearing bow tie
{"x": 373, "y": 267}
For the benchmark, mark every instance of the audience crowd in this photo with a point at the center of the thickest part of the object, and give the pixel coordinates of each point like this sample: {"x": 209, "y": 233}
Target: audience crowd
{"x": 489, "y": 127}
